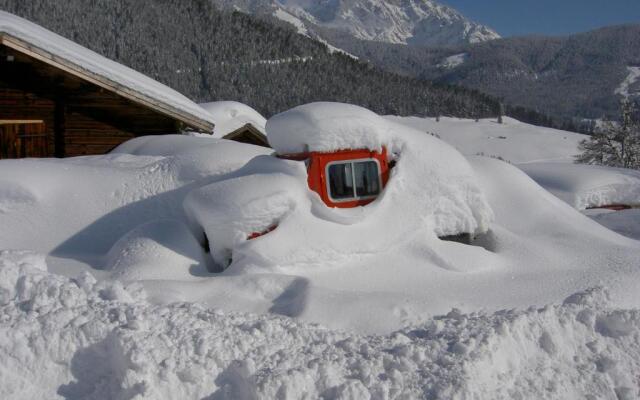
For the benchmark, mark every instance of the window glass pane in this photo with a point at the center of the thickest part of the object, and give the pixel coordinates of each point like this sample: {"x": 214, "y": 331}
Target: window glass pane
{"x": 341, "y": 181}
{"x": 367, "y": 180}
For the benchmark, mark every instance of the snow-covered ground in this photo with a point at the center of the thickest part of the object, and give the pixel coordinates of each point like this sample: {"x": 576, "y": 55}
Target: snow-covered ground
{"x": 587, "y": 186}
{"x": 513, "y": 141}
{"x": 105, "y": 290}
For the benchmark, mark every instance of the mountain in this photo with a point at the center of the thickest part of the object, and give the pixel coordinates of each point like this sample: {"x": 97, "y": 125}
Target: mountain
{"x": 410, "y": 22}
{"x": 578, "y": 76}
{"x": 209, "y": 54}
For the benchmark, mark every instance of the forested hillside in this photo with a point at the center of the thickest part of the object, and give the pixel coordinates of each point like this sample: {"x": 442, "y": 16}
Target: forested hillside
{"x": 208, "y": 54}
{"x": 576, "y": 76}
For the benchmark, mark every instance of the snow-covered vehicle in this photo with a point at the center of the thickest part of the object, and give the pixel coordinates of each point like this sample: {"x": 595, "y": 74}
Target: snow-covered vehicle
{"x": 331, "y": 159}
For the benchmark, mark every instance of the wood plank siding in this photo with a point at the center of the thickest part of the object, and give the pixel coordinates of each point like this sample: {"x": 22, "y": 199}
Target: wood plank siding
{"x": 78, "y": 117}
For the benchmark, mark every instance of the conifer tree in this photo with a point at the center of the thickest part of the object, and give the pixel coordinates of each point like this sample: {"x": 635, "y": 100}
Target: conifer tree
{"x": 615, "y": 144}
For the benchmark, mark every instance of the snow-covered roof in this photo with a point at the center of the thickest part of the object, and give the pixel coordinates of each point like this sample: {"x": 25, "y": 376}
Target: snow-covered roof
{"x": 326, "y": 127}
{"x": 37, "y": 42}
{"x": 230, "y": 116}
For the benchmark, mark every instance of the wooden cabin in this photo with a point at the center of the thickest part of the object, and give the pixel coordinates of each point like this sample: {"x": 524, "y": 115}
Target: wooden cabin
{"x": 59, "y": 99}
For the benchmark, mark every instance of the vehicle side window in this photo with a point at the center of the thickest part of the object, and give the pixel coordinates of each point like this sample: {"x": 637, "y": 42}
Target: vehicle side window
{"x": 341, "y": 181}
{"x": 367, "y": 178}
{"x": 351, "y": 180}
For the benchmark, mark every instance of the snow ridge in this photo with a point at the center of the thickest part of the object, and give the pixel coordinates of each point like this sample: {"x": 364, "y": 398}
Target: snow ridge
{"x": 413, "y": 22}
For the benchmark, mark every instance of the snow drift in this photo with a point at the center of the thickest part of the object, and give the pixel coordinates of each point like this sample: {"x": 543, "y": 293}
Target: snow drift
{"x": 78, "y": 338}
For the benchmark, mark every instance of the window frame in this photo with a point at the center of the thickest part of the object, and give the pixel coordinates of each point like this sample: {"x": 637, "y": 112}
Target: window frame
{"x": 353, "y": 180}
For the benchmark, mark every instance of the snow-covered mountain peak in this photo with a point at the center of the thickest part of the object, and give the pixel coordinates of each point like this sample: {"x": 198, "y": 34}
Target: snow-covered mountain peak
{"x": 413, "y": 22}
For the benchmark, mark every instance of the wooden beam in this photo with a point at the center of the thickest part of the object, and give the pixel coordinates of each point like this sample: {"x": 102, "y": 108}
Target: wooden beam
{"x": 20, "y": 121}
{"x": 59, "y": 128}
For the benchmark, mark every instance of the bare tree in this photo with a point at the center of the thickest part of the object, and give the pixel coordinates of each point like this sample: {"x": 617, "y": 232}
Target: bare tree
{"x": 615, "y": 144}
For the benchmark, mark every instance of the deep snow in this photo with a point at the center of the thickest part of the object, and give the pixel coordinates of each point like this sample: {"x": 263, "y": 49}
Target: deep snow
{"x": 78, "y": 338}
{"x": 105, "y": 291}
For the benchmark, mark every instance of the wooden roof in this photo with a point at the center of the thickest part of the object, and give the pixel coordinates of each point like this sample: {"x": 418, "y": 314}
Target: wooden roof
{"x": 248, "y": 134}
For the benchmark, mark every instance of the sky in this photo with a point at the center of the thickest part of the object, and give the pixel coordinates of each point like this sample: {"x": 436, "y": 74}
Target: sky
{"x": 547, "y": 17}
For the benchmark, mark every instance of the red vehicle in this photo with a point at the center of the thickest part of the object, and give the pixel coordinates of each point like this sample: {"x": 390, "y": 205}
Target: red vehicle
{"x": 346, "y": 178}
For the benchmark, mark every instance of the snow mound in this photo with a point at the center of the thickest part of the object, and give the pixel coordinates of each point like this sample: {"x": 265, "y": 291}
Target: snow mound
{"x": 197, "y": 157}
{"x": 232, "y": 115}
{"x": 422, "y": 195}
{"x": 585, "y": 186}
{"x": 163, "y": 249}
{"x": 625, "y": 222}
{"x": 78, "y": 338}
{"x": 144, "y": 179}
{"x": 13, "y": 196}
{"x": 325, "y": 127}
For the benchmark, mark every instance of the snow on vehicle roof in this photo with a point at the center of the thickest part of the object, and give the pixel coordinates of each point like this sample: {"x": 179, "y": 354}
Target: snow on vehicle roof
{"x": 584, "y": 186}
{"x": 54, "y": 49}
{"x": 230, "y": 116}
{"x": 326, "y": 127}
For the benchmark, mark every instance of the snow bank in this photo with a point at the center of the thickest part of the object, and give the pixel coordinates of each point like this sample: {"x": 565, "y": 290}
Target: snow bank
{"x": 513, "y": 140}
{"x": 86, "y": 60}
{"x": 86, "y": 204}
{"x": 197, "y": 157}
{"x": 232, "y": 115}
{"x": 625, "y": 222}
{"x": 584, "y": 186}
{"x": 432, "y": 190}
{"x": 78, "y": 338}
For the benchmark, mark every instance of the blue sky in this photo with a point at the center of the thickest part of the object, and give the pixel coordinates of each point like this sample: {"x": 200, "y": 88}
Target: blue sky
{"x": 549, "y": 17}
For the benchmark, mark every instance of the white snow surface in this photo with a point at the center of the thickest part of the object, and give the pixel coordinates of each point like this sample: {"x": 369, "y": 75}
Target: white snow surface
{"x": 326, "y": 127}
{"x": 584, "y": 186}
{"x": 514, "y": 141}
{"x": 104, "y": 289}
{"x": 79, "y": 338}
{"x": 625, "y": 222}
{"x": 85, "y": 59}
{"x": 232, "y": 115}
